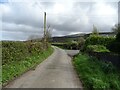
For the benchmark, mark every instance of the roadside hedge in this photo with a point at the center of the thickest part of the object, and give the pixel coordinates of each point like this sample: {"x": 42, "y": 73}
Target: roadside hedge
{"x": 17, "y": 51}
{"x": 19, "y": 57}
{"x": 114, "y": 47}
{"x": 67, "y": 45}
{"x": 98, "y": 40}
{"x": 96, "y": 48}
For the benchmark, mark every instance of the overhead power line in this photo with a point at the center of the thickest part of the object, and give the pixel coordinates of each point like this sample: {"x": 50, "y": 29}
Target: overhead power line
{"x": 38, "y": 4}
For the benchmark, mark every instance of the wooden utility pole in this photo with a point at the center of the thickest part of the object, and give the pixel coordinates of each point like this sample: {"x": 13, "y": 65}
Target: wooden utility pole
{"x": 44, "y": 25}
{"x": 45, "y": 30}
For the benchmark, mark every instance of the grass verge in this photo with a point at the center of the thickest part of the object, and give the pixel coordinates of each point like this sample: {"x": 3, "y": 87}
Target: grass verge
{"x": 15, "y": 68}
{"x": 96, "y": 74}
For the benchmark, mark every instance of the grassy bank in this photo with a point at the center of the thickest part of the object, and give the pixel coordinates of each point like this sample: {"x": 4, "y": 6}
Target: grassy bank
{"x": 14, "y": 64}
{"x": 95, "y": 74}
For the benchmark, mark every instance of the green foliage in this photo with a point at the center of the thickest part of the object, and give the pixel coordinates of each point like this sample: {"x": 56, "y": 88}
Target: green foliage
{"x": 19, "y": 57}
{"x": 69, "y": 45}
{"x": 81, "y": 42}
{"x": 78, "y": 44}
{"x": 108, "y": 67}
{"x": 96, "y": 48}
{"x": 116, "y": 28}
{"x": 99, "y": 40}
{"x": 96, "y": 74}
{"x": 17, "y": 51}
{"x": 115, "y": 45}
{"x": 118, "y": 37}
{"x": 118, "y": 33}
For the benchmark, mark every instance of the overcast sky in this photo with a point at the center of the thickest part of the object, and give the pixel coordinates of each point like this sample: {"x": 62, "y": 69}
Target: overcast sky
{"x": 20, "y": 20}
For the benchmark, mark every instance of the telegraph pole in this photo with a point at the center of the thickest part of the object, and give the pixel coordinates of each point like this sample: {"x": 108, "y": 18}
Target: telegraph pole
{"x": 44, "y": 25}
{"x": 45, "y": 30}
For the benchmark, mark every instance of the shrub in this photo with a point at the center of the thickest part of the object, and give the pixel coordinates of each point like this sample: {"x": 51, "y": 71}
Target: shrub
{"x": 114, "y": 47}
{"x": 81, "y": 42}
{"x": 70, "y": 45}
{"x": 98, "y": 40}
{"x": 118, "y": 36}
{"x": 17, "y": 51}
{"x": 13, "y": 51}
{"x": 96, "y": 48}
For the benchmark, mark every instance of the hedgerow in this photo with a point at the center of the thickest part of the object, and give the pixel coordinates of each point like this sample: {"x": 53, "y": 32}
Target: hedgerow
{"x": 17, "y": 51}
{"x": 96, "y": 48}
{"x": 18, "y": 57}
{"x": 99, "y": 40}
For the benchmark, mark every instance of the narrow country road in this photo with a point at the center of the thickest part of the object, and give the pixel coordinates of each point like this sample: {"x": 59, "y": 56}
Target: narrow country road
{"x": 55, "y": 72}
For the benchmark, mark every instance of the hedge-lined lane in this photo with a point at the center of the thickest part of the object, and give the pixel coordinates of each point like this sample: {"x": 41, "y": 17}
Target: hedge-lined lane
{"x": 22, "y": 58}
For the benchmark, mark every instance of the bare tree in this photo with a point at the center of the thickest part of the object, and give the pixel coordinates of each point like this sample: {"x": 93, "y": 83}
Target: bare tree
{"x": 81, "y": 42}
{"x": 95, "y": 31}
{"x": 116, "y": 28}
{"x": 48, "y": 33}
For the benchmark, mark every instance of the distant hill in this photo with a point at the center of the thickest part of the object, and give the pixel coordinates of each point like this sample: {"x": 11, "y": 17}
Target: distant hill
{"x": 73, "y": 37}
{"x": 68, "y": 38}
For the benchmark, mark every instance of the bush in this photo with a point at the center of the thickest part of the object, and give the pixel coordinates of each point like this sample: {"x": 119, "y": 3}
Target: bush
{"x": 118, "y": 36}
{"x": 17, "y": 51}
{"x": 13, "y": 51}
{"x": 96, "y": 48}
{"x": 70, "y": 45}
{"x": 98, "y": 40}
{"x": 81, "y": 42}
{"x": 115, "y": 45}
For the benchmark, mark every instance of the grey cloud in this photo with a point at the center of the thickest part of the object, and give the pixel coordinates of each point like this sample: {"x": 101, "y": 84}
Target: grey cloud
{"x": 13, "y": 36}
{"x": 20, "y": 28}
{"x": 24, "y": 20}
{"x": 48, "y": 4}
{"x": 18, "y": 35}
{"x": 20, "y": 14}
